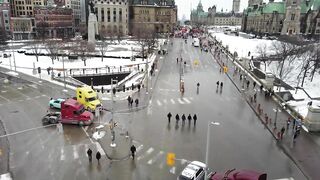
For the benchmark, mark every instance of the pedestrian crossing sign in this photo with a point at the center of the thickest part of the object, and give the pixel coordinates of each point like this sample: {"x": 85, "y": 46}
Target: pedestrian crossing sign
{"x": 171, "y": 157}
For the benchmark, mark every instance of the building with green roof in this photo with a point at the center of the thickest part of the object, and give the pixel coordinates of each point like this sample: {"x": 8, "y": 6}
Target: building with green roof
{"x": 289, "y": 17}
{"x": 212, "y": 17}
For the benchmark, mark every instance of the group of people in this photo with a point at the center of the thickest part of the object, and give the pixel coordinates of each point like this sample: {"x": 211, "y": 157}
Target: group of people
{"x": 130, "y": 101}
{"x": 98, "y": 155}
{"x": 183, "y": 118}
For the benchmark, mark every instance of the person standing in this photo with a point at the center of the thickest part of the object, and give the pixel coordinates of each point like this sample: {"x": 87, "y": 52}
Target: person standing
{"x": 89, "y": 153}
{"x": 137, "y": 102}
{"x": 217, "y": 84}
{"x": 282, "y": 132}
{"x": 129, "y": 100}
{"x": 198, "y": 85}
{"x": 177, "y": 118}
{"x": 254, "y": 84}
{"x": 169, "y": 116}
{"x": 221, "y": 85}
{"x": 133, "y": 151}
{"x": 98, "y": 156}
{"x": 189, "y": 118}
{"x": 183, "y": 117}
{"x": 248, "y": 83}
{"x": 195, "y": 119}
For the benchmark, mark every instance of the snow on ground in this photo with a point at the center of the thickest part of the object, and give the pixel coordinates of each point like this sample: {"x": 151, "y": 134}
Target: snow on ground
{"x": 244, "y": 45}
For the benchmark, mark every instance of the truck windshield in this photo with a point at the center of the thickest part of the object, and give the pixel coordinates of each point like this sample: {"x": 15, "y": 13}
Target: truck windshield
{"x": 92, "y": 99}
{"x": 81, "y": 110}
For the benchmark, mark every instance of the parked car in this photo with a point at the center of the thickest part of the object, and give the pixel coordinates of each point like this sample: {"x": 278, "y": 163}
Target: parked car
{"x": 239, "y": 175}
{"x": 56, "y": 103}
{"x": 193, "y": 171}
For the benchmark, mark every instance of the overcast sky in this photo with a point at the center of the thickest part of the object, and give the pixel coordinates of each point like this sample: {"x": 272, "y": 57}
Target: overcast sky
{"x": 185, "y": 6}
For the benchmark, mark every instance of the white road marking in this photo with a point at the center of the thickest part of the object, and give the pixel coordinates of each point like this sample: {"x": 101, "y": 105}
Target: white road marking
{"x": 86, "y": 128}
{"x": 159, "y": 103}
{"x": 43, "y": 95}
{"x": 75, "y": 152}
{"x": 191, "y": 98}
{"x": 165, "y": 101}
{"x": 20, "y": 88}
{"x": 139, "y": 148}
{"x": 86, "y": 147}
{"x": 28, "y": 98}
{"x": 180, "y": 101}
{"x": 3, "y": 91}
{"x": 20, "y": 100}
{"x": 150, "y": 150}
{"x": 173, "y": 170}
{"x": 156, "y": 157}
{"x": 186, "y": 100}
{"x": 5, "y": 98}
{"x": 99, "y": 148}
{"x": 37, "y": 97}
{"x": 62, "y": 155}
{"x": 183, "y": 161}
{"x": 172, "y": 101}
{"x": 87, "y": 135}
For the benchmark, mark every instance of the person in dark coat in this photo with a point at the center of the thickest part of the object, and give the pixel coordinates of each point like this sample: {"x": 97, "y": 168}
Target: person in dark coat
{"x": 137, "y": 102}
{"x": 169, "y": 116}
{"x": 89, "y": 153}
{"x": 217, "y": 84}
{"x": 221, "y": 85}
{"x": 98, "y": 156}
{"x": 129, "y": 100}
{"x": 183, "y": 117}
{"x": 177, "y": 118}
{"x": 189, "y": 118}
{"x": 133, "y": 151}
{"x": 194, "y": 119}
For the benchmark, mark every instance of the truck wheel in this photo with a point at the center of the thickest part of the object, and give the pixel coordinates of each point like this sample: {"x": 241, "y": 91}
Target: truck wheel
{"x": 81, "y": 123}
{"x": 53, "y": 121}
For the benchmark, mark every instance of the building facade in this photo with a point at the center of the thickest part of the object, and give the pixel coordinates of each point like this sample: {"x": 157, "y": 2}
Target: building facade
{"x": 112, "y": 16}
{"x": 76, "y": 8}
{"x": 53, "y": 21}
{"x": 289, "y": 17}
{"x": 212, "y": 17}
{"x": 159, "y": 16}
{"x": 5, "y": 18}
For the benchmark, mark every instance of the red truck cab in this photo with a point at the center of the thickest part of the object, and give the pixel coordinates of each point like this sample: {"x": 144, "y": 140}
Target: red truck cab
{"x": 72, "y": 112}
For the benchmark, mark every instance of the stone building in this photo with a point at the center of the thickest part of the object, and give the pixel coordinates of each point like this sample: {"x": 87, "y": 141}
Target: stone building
{"x": 75, "y": 6}
{"x": 158, "y": 16}
{"x": 289, "y": 17}
{"x": 212, "y": 17}
{"x": 5, "y": 18}
{"x": 53, "y": 21}
{"x": 112, "y": 16}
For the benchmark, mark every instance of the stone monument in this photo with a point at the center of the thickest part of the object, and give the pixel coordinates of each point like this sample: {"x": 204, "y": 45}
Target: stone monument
{"x": 92, "y": 28}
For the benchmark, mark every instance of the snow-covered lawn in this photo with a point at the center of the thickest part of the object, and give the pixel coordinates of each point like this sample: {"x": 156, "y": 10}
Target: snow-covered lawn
{"x": 244, "y": 45}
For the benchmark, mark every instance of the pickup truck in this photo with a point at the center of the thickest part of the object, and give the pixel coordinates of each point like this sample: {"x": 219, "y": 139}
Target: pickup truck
{"x": 72, "y": 112}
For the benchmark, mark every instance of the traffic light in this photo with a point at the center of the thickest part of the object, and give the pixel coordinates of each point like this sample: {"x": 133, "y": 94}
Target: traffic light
{"x": 39, "y": 70}
{"x": 171, "y": 157}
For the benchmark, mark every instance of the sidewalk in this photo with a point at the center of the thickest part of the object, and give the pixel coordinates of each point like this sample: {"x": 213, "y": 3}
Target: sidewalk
{"x": 304, "y": 151}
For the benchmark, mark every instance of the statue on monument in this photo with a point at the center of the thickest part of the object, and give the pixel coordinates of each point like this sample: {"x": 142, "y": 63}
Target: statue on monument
{"x": 92, "y": 27}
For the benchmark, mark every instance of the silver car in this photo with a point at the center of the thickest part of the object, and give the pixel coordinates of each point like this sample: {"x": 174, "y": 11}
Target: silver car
{"x": 194, "y": 171}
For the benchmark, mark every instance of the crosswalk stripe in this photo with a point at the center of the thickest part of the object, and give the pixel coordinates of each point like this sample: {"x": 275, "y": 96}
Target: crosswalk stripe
{"x": 191, "y": 98}
{"x": 159, "y": 103}
{"x": 173, "y": 170}
{"x": 62, "y": 156}
{"x": 172, "y": 101}
{"x": 149, "y": 151}
{"x": 75, "y": 152}
{"x": 165, "y": 101}
{"x": 99, "y": 148}
{"x": 186, "y": 100}
{"x": 86, "y": 147}
{"x": 180, "y": 101}
{"x": 156, "y": 157}
{"x": 139, "y": 148}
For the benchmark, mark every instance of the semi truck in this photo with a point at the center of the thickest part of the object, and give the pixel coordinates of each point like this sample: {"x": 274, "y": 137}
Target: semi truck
{"x": 72, "y": 112}
{"x": 88, "y": 98}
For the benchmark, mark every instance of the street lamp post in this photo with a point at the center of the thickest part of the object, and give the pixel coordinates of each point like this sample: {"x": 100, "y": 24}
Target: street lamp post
{"x": 208, "y": 145}
{"x": 113, "y": 144}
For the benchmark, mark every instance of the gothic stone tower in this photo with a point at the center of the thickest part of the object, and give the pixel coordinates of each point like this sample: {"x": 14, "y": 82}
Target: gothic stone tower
{"x": 291, "y": 23}
{"x": 236, "y": 6}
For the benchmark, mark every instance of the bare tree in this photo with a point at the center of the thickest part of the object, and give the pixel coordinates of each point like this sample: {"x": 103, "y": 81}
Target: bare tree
{"x": 287, "y": 54}
{"x": 36, "y": 49}
{"x": 41, "y": 29}
{"x": 103, "y": 46}
{"x": 83, "y": 51}
{"x": 52, "y": 48}
{"x": 261, "y": 49}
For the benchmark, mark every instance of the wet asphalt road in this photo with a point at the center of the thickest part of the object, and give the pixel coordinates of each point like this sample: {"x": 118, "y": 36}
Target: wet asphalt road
{"x": 239, "y": 142}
